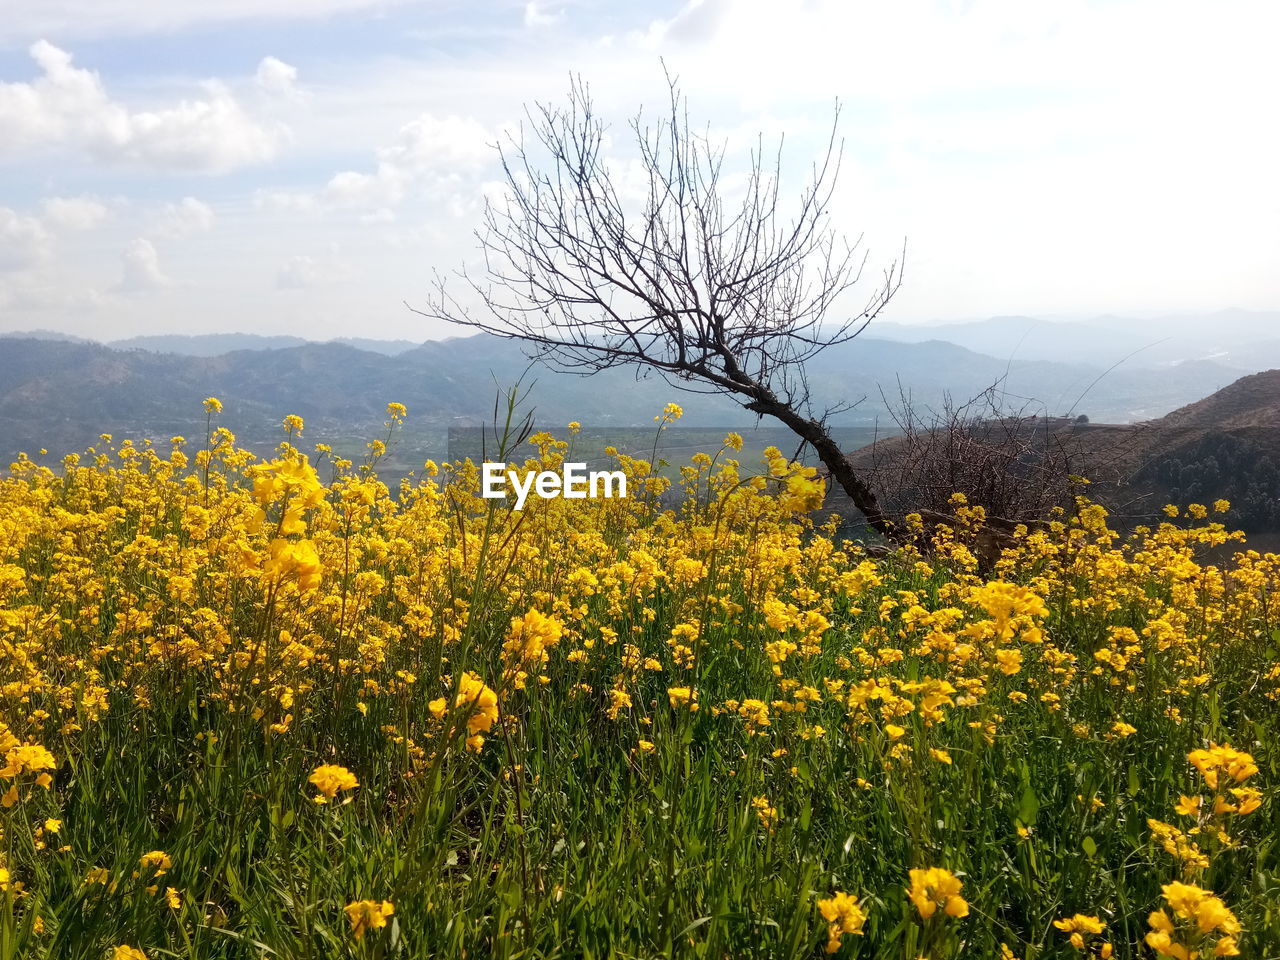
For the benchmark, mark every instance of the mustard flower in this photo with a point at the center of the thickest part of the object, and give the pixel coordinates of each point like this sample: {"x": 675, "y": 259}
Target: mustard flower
{"x": 936, "y": 887}
{"x": 329, "y": 779}
{"x": 368, "y": 915}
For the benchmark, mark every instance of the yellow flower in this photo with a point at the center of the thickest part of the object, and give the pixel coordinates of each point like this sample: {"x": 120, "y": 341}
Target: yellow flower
{"x": 1250, "y": 799}
{"x": 936, "y": 887}
{"x": 1195, "y": 903}
{"x": 645, "y": 746}
{"x": 683, "y": 697}
{"x": 124, "y": 952}
{"x": 474, "y": 693}
{"x": 329, "y": 778}
{"x": 368, "y": 915}
{"x": 1218, "y": 758}
{"x": 1009, "y": 661}
{"x": 211, "y": 405}
{"x": 893, "y": 731}
{"x": 1079, "y": 927}
{"x": 529, "y": 637}
{"x": 481, "y": 703}
{"x": 1200, "y": 915}
{"x": 940, "y": 755}
{"x": 26, "y": 757}
{"x": 156, "y": 860}
{"x": 844, "y": 915}
{"x": 767, "y": 813}
{"x": 294, "y": 559}
{"x": 1189, "y": 806}
{"x": 1121, "y": 729}
{"x": 1178, "y": 844}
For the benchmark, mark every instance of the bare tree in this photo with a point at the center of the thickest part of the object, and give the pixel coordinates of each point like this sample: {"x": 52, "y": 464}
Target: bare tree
{"x": 696, "y": 274}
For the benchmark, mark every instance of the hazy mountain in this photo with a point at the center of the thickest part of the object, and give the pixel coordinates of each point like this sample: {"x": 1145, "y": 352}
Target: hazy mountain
{"x": 216, "y": 344}
{"x": 205, "y": 345}
{"x": 43, "y": 335}
{"x": 391, "y": 348}
{"x": 1228, "y": 337}
{"x": 60, "y": 395}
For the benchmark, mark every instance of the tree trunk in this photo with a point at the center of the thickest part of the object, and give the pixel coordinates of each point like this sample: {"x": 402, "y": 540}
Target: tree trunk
{"x": 816, "y": 434}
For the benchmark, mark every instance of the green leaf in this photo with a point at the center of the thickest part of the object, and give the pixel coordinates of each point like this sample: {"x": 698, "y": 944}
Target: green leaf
{"x": 1090, "y": 847}
{"x": 1028, "y": 806}
{"x": 694, "y": 926}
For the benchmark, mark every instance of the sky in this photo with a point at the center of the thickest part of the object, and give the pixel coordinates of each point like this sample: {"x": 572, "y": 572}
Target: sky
{"x": 304, "y": 167}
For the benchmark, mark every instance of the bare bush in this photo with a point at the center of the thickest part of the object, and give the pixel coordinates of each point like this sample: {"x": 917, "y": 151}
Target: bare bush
{"x": 1018, "y": 465}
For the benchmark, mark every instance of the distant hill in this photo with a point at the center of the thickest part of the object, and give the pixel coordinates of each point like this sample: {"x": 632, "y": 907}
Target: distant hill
{"x": 205, "y": 345}
{"x": 1245, "y": 340}
{"x": 390, "y": 348}
{"x": 216, "y": 344}
{"x": 60, "y": 395}
{"x": 1229, "y": 337}
{"x": 43, "y": 335}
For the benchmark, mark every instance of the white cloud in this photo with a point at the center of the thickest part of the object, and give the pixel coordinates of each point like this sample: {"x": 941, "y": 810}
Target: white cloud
{"x": 431, "y": 158}
{"x": 298, "y": 273}
{"x": 142, "y": 271}
{"x": 436, "y": 145}
{"x": 112, "y": 17}
{"x": 24, "y": 241}
{"x": 1003, "y": 139}
{"x": 537, "y": 15}
{"x": 67, "y": 106}
{"x": 189, "y": 215}
{"x": 699, "y": 20}
{"x": 353, "y": 189}
{"x": 74, "y": 213}
{"x": 277, "y": 78}
{"x": 304, "y": 272}
{"x": 32, "y": 293}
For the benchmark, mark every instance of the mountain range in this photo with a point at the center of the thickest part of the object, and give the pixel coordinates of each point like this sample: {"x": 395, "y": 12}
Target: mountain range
{"x": 59, "y": 393}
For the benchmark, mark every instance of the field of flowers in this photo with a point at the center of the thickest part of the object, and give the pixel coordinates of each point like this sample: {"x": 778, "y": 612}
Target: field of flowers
{"x": 271, "y": 709}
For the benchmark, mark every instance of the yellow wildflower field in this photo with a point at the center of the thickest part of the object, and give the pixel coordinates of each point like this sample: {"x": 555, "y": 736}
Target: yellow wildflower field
{"x": 270, "y": 708}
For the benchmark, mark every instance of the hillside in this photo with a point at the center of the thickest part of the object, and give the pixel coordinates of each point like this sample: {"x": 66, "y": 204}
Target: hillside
{"x": 1226, "y": 445}
{"x": 1249, "y": 406}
